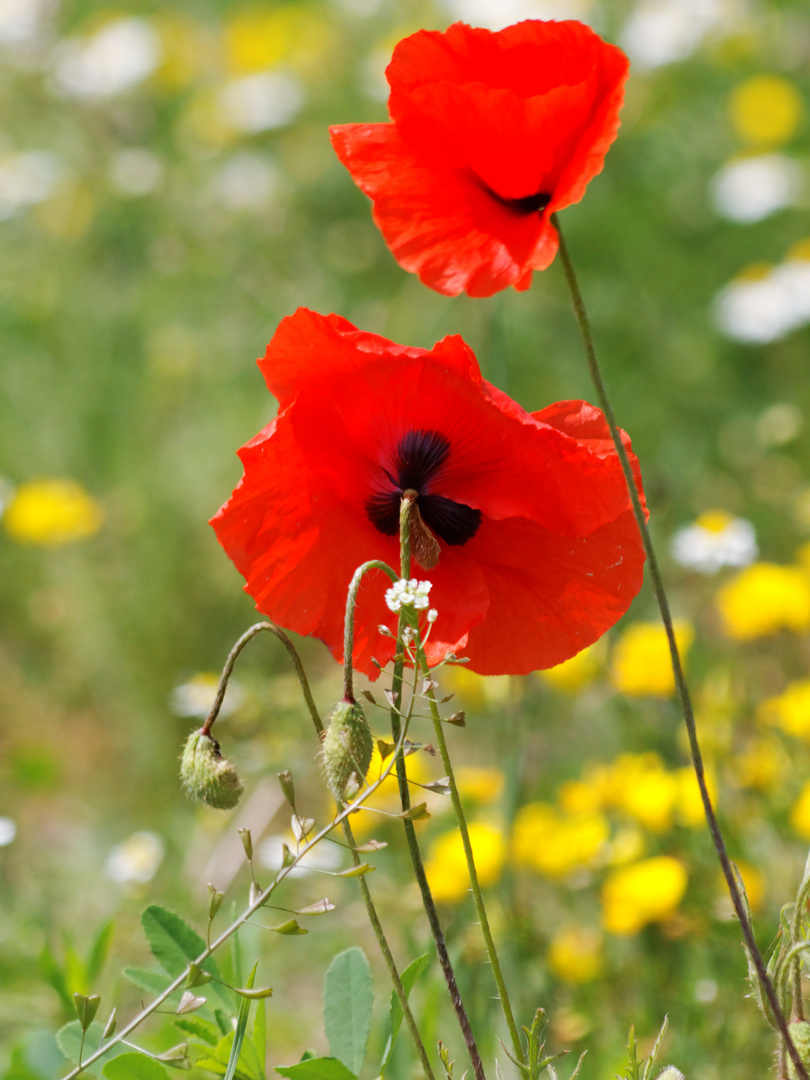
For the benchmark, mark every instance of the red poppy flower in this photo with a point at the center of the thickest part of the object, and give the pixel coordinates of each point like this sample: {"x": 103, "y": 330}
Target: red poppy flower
{"x": 538, "y": 549}
{"x": 491, "y": 133}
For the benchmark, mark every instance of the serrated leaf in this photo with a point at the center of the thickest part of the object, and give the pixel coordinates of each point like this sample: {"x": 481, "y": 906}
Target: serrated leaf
{"x": 407, "y": 978}
{"x": 326, "y": 1068}
{"x": 348, "y": 999}
{"x": 201, "y": 1029}
{"x": 133, "y": 1066}
{"x": 154, "y": 982}
{"x": 175, "y": 944}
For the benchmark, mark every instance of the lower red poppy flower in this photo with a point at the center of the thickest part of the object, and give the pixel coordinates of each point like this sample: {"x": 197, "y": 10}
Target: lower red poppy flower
{"x": 538, "y": 551}
{"x": 491, "y": 133}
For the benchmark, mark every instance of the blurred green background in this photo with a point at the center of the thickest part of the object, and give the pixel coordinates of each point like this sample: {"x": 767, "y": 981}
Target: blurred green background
{"x": 167, "y": 195}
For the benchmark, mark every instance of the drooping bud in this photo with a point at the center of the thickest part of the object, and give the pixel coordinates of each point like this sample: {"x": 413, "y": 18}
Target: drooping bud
{"x": 207, "y": 775}
{"x": 347, "y": 747}
{"x": 800, "y": 1034}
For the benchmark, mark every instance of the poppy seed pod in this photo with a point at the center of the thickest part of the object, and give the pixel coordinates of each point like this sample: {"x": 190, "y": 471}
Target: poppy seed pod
{"x": 347, "y": 747}
{"x": 207, "y": 775}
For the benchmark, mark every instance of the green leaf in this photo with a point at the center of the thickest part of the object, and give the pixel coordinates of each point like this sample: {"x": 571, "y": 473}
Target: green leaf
{"x": 348, "y": 998}
{"x": 154, "y": 982}
{"x": 134, "y": 1066}
{"x": 407, "y": 978}
{"x": 69, "y": 1039}
{"x": 201, "y": 1029}
{"x": 54, "y": 976}
{"x": 175, "y": 944}
{"x": 247, "y": 1068}
{"x": 241, "y": 1027}
{"x": 259, "y": 1038}
{"x": 327, "y": 1068}
{"x": 100, "y": 951}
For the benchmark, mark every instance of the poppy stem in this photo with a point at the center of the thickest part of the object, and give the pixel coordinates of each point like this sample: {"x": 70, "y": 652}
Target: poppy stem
{"x": 677, "y": 667}
{"x": 468, "y": 852}
{"x": 348, "y": 626}
{"x": 227, "y": 671}
{"x": 428, "y": 902}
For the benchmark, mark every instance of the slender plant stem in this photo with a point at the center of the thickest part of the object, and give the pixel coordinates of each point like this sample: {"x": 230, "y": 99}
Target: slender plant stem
{"x": 227, "y": 671}
{"x": 677, "y": 667}
{"x": 382, "y": 941}
{"x": 428, "y": 902}
{"x": 348, "y": 626}
{"x": 468, "y": 852}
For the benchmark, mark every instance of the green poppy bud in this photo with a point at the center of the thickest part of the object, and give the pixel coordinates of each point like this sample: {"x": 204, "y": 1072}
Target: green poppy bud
{"x": 347, "y": 747}
{"x": 207, "y": 775}
{"x": 800, "y": 1034}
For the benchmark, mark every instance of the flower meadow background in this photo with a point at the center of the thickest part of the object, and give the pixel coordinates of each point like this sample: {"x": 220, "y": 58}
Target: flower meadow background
{"x": 167, "y": 195}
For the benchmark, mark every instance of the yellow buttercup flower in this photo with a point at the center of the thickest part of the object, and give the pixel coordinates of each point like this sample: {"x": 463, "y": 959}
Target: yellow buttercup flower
{"x": 790, "y": 710}
{"x": 644, "y": 892}
{"x": 555, "y": 843}
{"x": 446, "y": 864}
{"x": 763, "y": 599}
{"x": 575, "y": 954}
{"x": 639, "y": 785}
{"x": 766, "y": 110}
{"x": 51, "y": 512}
{"x": 688, "y": 803}
{"x": 641, "y": 660}
{"x": 478, "y": 783}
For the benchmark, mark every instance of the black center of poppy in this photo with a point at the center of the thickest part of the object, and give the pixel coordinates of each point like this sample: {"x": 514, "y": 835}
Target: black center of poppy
{"x": 419, "y": 456}
{"x": 526, "y": 204}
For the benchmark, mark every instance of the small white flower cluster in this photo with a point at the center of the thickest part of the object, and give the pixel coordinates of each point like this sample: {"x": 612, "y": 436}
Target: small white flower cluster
{"x": 404, "y": 593}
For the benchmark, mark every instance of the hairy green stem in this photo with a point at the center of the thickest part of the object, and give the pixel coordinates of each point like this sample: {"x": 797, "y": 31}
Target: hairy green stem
{"x": 478, "y": 898}
{"x": 428, "y": 902}
{"x": 348, "y": 625}
{"x": 677, "y": 667}
{"x": 227, "y": 671}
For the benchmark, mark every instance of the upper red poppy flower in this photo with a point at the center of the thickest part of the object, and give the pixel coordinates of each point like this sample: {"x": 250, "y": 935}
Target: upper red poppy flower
{"x": 539, "y": 552}
{"x": 492, "y": 132}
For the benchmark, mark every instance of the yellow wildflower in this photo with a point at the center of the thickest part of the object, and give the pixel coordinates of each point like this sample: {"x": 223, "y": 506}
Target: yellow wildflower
{"x": 790, "y": 710}
{"x": 766, "y": 110}
{"x": 688, "y": 803}
{"x": 641, "y": 659}
{"x": 641, "y": 787}
{"x": 581, "y": 796}
{"x": 644, "y": 892}
{"x": 575, "y": 954}
{"x": 479, "y": 784}
{"x": 476, "y": 691}
{"x": 753, "y": 881}
{"x": 51, "y": 512}
{"x": 800, "y": 814}
{"x": 446, "y": 865}
{"x": 555, "y": 843}
{"x": 763, "y": 599}
{"x": 259, "y": 38}
{"x": 580, "y": 670}
{"x": 761, "y": 765}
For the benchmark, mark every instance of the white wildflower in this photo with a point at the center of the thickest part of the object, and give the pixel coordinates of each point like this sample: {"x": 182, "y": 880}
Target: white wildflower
{"x": 714, "y": 540}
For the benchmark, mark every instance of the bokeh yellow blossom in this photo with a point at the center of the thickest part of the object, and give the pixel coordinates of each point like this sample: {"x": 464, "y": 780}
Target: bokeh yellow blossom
{"x": 386, "y": 797}
{"x": 761, "y": 764}
{"x": 644, "y": 892}
{"x": 688, "y": 803}
{"x": 476, "y": 691}
{"x": 766, "y": 110}
{"x": 51, "y": 512}
{"x": 800, "y": 814}
{"x": 259, "y": 38}
{"x": 641, "y": 660}
{"x": 580, "y": 670}
{"x": 446, "y": 865}
{"x": 478, "y": 783}
{"x": 763, "y": 599}
{"x": 639, "y": 785}
{"x": 575, "y": 954}
{"x": 753, "y": 882}
{"x": 790, "y": 710}
{"x": 555, "y": 843}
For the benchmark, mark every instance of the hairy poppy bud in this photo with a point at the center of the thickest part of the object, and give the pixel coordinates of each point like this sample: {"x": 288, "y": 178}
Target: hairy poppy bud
{"x": 207, "y": 775}
{"x": 347, "y": 747}
{"x": 800, "y": 1034}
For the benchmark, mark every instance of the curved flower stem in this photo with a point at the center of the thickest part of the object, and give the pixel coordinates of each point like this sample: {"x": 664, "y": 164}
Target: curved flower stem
{"x": 348, "y": 626}
{"x": 468, "y": 853}
{"x": 382, "y": 941}
{"x": 677, "y": 667}
{"x": 227, "y": 671}
{"x": 428, "y": 902}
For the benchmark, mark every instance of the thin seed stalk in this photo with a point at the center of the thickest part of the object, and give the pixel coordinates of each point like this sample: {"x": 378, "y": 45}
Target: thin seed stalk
{"x": 428, "y": 902}
{"x": 468, "y": 853}
{"x": 677, "y": 667}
